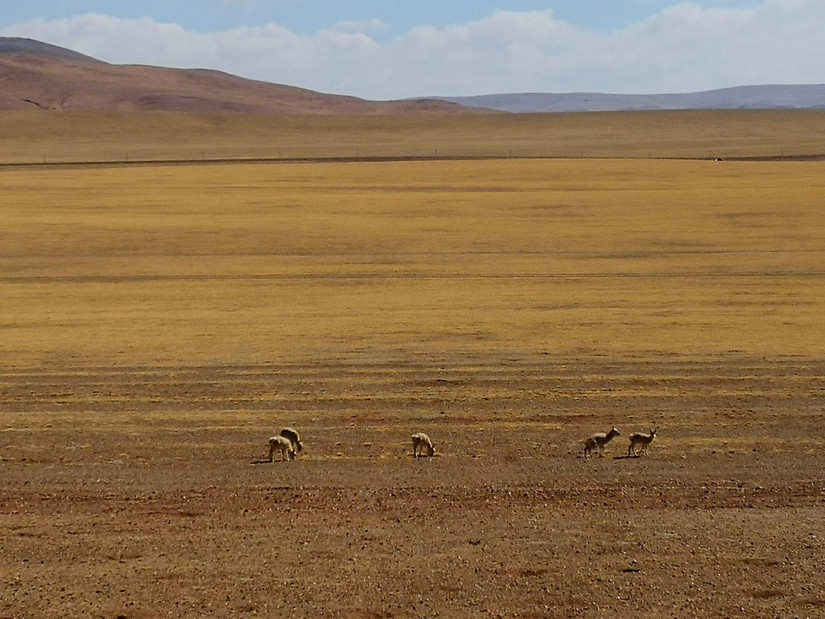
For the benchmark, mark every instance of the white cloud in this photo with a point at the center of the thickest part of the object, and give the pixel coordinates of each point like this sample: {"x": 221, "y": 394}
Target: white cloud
{"x": 684, "y": 48}
{"x": 507, "y": 51}
{"x": 688, "y": 47}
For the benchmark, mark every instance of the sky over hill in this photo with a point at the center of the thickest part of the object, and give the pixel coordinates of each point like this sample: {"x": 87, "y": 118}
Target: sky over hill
{"x": 391, "y": 49}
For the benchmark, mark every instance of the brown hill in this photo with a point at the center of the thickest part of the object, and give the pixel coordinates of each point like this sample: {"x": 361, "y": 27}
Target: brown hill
{"x": 38, "y": 75}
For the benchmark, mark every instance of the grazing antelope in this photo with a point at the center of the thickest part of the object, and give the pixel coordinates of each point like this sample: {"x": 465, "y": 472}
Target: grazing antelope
{"x": 421, "y": 442}
{"x": 599, "y": 440}
{"x": 640, "y": 439}
{"x": 293, "y": 437}
{"x": 283, "y": 444}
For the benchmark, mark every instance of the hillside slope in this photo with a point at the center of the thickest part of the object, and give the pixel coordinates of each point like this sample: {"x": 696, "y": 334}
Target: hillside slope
{"x": 35, "y": 75}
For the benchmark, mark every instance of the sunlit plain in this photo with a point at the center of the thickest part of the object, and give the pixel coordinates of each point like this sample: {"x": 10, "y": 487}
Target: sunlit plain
{"x": 268, "y": 262}
{"x": 159, "y": 320}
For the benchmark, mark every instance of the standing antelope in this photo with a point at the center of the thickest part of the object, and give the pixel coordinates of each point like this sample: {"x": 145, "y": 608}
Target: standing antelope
{"x": 293, "y": 437}
{"x": 640, "y": 439}
{"x": 421, "y": 442}
{"x": 599, "y": 440}
{"x": 282, "y": 444}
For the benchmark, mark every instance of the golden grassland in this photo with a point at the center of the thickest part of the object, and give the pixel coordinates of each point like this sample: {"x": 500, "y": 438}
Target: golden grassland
{"x": 272, "y": 263}
{"x": 37, "y": 137}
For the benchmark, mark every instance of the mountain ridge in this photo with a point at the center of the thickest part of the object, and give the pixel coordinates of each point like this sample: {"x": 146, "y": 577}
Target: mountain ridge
{"x": 770, "y": 96}
{"x": 38, "y": 75}
{"x": 16, "y": 45}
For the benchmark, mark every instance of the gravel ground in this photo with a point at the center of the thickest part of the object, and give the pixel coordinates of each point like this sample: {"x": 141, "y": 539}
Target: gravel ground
{"x": 146, "y": 492}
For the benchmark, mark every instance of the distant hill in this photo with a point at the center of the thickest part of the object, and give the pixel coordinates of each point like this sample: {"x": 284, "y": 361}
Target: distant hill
{"x": 36, "y": 75}
{"x": 15, "y": 45}
{"x": 738, "y": 98}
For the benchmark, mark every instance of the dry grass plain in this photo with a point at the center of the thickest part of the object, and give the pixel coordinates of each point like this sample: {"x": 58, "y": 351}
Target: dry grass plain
{"x": 68, "y": 137}
{"x": 160, "y": 322}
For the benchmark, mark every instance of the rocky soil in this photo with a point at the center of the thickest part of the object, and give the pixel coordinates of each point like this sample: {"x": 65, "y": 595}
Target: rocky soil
{"x": 146, "y": 492}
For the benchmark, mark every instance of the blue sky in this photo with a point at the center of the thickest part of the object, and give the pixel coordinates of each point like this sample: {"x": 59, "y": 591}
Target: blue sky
{"x": 387, "y": 49}
{"x": 308, "y": 16}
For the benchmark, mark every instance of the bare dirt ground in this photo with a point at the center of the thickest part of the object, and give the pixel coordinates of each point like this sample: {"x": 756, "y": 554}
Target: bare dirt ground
{"x": 146, "y": 491}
